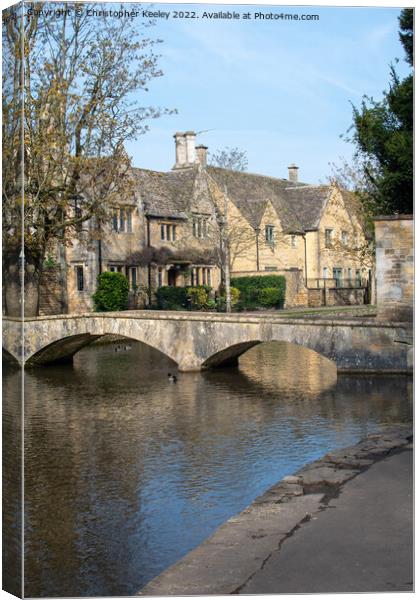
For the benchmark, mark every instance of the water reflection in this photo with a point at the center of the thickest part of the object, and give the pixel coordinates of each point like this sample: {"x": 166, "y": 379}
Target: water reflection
{"x": 125, "y": 471}
{"x": 12, "y": 482}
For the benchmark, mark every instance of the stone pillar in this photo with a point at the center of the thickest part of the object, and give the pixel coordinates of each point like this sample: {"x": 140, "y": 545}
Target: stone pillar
{"x": 394, "y": 267}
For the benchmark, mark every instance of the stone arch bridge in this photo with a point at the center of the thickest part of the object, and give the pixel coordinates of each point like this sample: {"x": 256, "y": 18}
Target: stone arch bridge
{"x": 197, "y": 341}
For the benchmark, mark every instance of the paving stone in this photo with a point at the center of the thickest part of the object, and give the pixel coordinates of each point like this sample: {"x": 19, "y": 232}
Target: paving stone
{"x": 324, "y": 475}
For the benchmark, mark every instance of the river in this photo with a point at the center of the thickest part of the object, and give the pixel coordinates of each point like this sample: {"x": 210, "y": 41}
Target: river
{"x": 126, "y": 471}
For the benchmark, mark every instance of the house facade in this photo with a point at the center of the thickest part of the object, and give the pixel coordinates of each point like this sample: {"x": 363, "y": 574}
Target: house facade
{"x": 178, "y": 227}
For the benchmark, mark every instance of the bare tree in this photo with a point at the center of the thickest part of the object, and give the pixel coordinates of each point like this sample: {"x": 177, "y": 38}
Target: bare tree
{"x": 233, "y": 237}
{"x": 351, "y": 178}
{"x": 73, "y": 82}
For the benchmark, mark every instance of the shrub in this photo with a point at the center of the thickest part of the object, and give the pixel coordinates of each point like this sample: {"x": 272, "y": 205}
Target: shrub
{"x": 198, "y": 296}
{"x": 112, "y": 292}
{"x": 269, "y": 297}
{"x": 234, "y": 299}
{"x": 251, "y": 288}
{"x": 211, "y": 304}
{"x": 170, "y": 297}
{"x": 234, "y": 295}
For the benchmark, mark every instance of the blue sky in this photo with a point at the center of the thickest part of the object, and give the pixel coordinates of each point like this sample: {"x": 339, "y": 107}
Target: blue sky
{"x": 279, "y": 90}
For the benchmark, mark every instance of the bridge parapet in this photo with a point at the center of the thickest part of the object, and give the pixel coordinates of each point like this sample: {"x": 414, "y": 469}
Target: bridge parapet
{"x": 203, "y": 340}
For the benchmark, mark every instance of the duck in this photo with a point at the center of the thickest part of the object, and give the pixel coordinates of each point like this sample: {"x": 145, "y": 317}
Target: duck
{"x": 172, "y": 378}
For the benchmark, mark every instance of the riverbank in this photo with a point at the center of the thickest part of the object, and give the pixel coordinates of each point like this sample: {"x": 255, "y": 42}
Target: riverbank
{"x": 263, "y": 549}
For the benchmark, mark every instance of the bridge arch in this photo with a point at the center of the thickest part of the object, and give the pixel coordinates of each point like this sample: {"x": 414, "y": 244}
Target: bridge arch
{"x": 229, "y": 356}
{"x": 63, "y": 349}
{"x": 9, "y": 358}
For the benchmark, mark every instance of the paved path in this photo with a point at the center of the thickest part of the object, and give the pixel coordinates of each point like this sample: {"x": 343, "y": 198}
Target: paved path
{"x": 362, "y": 541}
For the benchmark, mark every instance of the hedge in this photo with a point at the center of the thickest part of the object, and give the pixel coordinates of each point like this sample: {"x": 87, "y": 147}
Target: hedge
{"x": 265, "y": 291}
{"x": 171, "y": 297}
{"x": 112, "y": 292}
{"x": 269, "y": 297}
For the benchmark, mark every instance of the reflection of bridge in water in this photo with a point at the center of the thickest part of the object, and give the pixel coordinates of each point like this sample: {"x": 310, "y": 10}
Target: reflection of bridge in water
{"x": 203, "y": 340}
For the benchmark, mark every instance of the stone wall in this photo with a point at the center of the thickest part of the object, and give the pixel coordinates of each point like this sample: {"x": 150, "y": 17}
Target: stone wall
{"x": 336, "y": 297}
{"x": 52, "y": 292}
{"x": 394, "y": 267}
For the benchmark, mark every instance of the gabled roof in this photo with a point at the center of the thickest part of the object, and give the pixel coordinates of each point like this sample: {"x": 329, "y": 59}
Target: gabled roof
{"x": 308, "y": 203}
{"x": 166, "y": 194}
{"x": 250, "y": 193}
{"x": 299, "y": 206}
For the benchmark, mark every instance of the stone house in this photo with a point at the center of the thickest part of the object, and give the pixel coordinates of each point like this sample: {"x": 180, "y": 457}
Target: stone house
{"x": 170, "y": 233}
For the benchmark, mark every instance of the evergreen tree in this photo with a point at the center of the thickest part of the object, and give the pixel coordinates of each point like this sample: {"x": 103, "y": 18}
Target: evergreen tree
{"x": 383, "y": 134}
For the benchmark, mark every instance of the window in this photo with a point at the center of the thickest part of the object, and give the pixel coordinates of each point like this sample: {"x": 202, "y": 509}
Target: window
{"x": 270, "y": 268}
{"x": 349, "y": 273}
{"x": 325, "y": 272}
{"x": 167, "y": 232}
{"x": 269, "y": 233}
{"x": 200, "y": 227}
{"x": 122, "y": 220}
{"x": 115, "y": 221}
{"x": 133, "y": 277}
{"x": 115, "y": 268}
{"x": 293, "y": 241}
{"x": 328, "y": 238}
{"x": 80, "y": 283}
{"x": 358, "y": 278}
{"x": 338, "y": 276}
{"x": 344, "y": 237}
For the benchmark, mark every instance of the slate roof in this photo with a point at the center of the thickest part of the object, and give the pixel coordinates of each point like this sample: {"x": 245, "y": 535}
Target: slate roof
{"x": 298, "y": 206}
{"x": 250, "y": 193}
{"x": 166, "y": 194}
{"x": 308, "y": 203}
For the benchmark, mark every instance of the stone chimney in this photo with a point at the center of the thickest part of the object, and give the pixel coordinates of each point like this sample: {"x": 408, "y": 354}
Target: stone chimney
{"x": 202, "y": 154}
{"x": 293, "y": 173}
{"x": 180, "y": 150}
{"x": 190, "y": 142}
{"x": 185, "y": 153}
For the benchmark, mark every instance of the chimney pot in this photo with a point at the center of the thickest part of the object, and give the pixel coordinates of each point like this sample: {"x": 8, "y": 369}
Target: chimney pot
{"x": 202, "y": 154}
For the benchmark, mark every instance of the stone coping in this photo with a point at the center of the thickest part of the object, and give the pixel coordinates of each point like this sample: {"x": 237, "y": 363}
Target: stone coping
{"x": 393, "y": 218}
{"x": 217, "y": 318}
{"x": 239, "y": 548}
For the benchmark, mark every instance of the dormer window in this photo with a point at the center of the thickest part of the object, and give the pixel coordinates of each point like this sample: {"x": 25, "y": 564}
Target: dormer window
{"x": 269, "y": 233}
